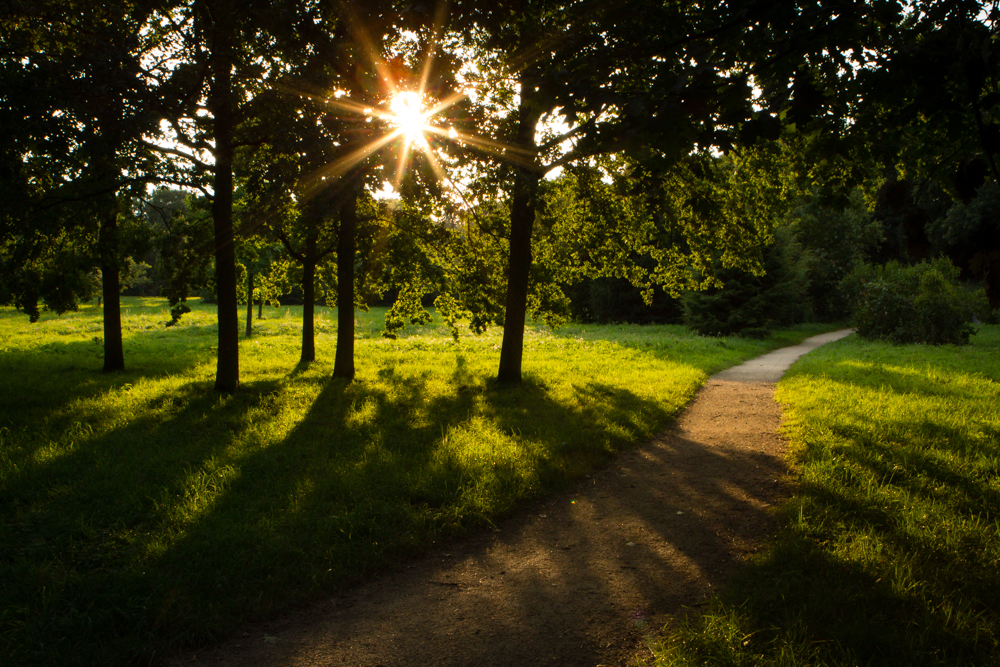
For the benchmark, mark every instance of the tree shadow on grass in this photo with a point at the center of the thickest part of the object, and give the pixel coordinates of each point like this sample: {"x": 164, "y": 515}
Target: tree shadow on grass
{"x": 686, "y": 506}
{"x": 84, "y": 520}
{"x": 374, "y": 473}
{"x": 907, "y": 602}
{"x": 166, "y": 532}
{"x": 891, "y": 562}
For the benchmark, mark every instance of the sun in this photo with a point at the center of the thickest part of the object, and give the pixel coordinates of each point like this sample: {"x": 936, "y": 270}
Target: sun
{"x": 408, "y": 114}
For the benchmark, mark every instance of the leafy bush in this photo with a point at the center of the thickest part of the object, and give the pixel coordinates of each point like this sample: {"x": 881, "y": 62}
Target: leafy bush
{"x": 923, "y": 303}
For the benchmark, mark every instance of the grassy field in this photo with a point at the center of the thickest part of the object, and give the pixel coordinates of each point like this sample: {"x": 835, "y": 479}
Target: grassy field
{"x": 142, "y": 512}
{"x": 890, "y": 553}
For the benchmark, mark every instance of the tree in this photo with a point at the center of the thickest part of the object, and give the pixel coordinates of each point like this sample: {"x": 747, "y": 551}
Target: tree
{"x": 310, "y": 179}
{"x": 72, "y": 72}
{"x": 655, "y": 81}
{"x": 928, "y": 103}
{"x": 227, "y": 56}
{"x": 297, "y": 195}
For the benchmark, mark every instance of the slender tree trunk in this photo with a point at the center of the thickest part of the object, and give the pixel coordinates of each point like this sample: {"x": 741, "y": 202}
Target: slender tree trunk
{"x": 522, "y": 219}
{"x": 260, "y": 308}
{"x": 522, "y": 222}
{"x": 309, "y": 301}
{"x": 227, "y": 371}
{"x": 343, "y": 366}
{"x": 249, "y": 303}
{"x": 991, "y": 278}
{"x": 108, "y": 244}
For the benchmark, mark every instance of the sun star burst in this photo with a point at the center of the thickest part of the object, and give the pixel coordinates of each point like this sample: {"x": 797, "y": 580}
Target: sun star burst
{"x": 409, "y": 116}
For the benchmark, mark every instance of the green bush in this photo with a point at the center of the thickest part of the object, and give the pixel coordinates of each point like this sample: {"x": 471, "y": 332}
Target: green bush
{"x": 923, "y": 303}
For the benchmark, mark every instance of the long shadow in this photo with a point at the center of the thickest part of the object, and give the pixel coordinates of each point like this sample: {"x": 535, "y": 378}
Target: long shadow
{"x": 363, "y": 480}
{"x": 83, "y": 522}
{"x": 672, "y": 556}
{"x": 941, "y": 612}
{"x": 863, "y": 579}
{"x": 888, "y": 451}
{"x": 42, "y": 393}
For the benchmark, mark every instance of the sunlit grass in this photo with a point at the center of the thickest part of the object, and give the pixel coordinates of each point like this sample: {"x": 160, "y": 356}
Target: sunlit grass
{"x": 890, "y": 553}
{"x": 142, "y": 511}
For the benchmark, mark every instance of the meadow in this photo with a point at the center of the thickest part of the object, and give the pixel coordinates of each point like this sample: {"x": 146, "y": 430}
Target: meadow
{"x": 142, "y": 512}
{"x": 889, "y": 553}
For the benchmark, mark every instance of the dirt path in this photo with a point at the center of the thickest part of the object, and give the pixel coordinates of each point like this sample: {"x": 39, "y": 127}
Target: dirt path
{"x": 580, "y": 579}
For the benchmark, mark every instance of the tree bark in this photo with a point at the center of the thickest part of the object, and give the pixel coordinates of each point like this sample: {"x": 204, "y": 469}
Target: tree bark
{"x": 309, "y": 301}
{"x": 108, "y": 245}
{"x": 227, "y": 371}
{"x": 522, "y": 221}
{"x": 249, "y": 303}
{"x": 343, "y": 366}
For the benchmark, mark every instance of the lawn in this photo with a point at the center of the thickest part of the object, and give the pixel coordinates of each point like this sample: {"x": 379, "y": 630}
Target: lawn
{"x": 143, "y": 512}
{"x": 890, "y": 552}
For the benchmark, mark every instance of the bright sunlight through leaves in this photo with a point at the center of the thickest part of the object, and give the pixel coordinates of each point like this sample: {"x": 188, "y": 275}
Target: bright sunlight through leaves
{"x": 409, "y": 115}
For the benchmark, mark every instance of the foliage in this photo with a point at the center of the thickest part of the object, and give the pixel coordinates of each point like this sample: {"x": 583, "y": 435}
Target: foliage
{"x": 749, "y": 305}
{"x": 970, "y": 234}
{"x": 887, "y": 554}
{"x": 459, "y": 259}
{"x": 923, "y": 303}
{"x": 611, "y": 300}
{"x": 834, "y": 232}
{"x": 142, "y": 513}
{"x": 660, "y": 83}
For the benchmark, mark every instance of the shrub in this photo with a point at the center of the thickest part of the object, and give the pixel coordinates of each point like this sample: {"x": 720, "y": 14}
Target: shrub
{"x": 923, "y": 303}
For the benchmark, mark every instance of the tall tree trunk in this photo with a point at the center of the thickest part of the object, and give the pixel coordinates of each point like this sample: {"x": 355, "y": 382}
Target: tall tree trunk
{"x": 108, "y": 247}
{"x": 991, "y": 278}
{"x": 227, "y": 370}
{"x": 249, "y": 303}
{"x": 343, "y": 366}
{"x": 522, "y": 222}
{"x": 309, "y": 301}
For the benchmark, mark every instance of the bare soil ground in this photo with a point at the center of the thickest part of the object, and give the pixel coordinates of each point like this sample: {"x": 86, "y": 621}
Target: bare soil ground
{"x": 581, "y": 579}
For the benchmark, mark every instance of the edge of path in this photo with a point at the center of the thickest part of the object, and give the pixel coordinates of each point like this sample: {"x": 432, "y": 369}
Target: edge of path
{"x": 585, "y": 577}
{"x": 771, "y": 366}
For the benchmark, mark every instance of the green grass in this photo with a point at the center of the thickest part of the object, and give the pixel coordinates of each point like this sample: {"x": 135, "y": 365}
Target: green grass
{"x": 890, "y": 553}
{"x": 142, "y": 512}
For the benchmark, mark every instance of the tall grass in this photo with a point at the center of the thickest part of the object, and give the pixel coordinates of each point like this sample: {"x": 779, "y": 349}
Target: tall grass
{"x": 142, "y": 512}
{"x": 890, "y": 553}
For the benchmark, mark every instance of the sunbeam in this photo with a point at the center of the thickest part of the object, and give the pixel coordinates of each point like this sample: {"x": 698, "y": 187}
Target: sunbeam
{"x": 405, "y": 113}
{"x": 409, "y": 116}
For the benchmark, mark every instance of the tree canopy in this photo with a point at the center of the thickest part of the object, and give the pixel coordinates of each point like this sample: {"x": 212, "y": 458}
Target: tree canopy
{"x": 684, "y": 133}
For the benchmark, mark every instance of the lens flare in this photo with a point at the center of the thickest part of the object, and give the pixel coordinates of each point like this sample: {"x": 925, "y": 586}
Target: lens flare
{"x": 409, "y": 116}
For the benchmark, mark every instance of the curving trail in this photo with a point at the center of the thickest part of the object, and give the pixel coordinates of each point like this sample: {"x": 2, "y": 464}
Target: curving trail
{"x": 580, "y": 579}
